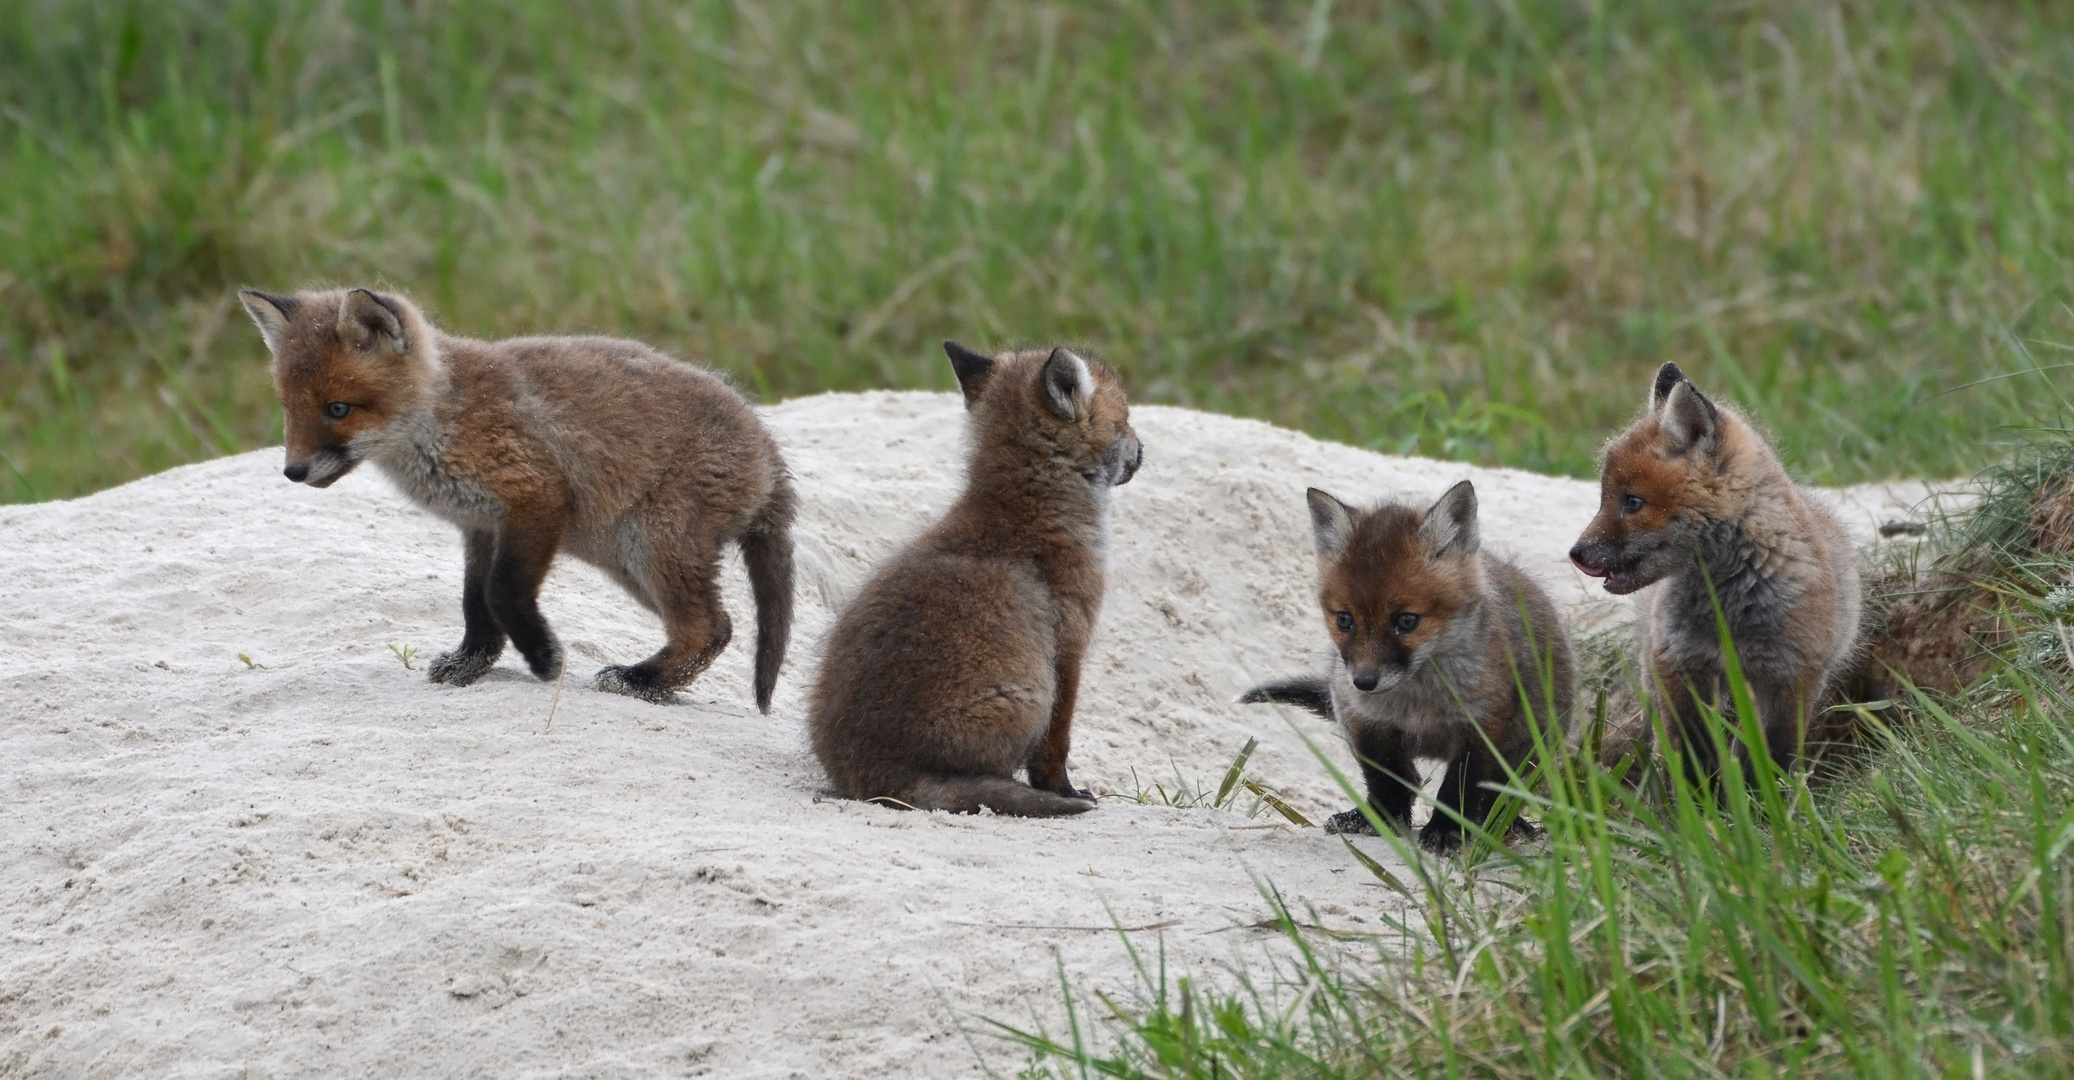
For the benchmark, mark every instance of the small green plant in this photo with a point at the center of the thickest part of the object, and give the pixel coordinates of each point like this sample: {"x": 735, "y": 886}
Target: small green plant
{"x": 404, "y": 655}
{"x": 1230, "y": 794}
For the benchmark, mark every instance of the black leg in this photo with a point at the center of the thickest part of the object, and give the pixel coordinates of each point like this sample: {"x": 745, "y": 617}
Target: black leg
{"x": 1469, "y": 788}
{"x": 482, "y": 640}
{"x": 520, "y": 564}
{"x": 1392, "y": 781}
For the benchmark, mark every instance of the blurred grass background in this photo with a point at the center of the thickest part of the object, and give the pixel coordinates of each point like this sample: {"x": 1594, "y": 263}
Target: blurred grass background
{"x": 1468, "y": 229}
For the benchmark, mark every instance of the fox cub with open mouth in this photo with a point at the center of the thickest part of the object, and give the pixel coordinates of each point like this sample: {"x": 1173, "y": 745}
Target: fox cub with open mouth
{"x": 638, "y": 463}
{"x": 959, "y": 661}
{"x": 1444, "y": 651}
{"x": 1690, "y": 496}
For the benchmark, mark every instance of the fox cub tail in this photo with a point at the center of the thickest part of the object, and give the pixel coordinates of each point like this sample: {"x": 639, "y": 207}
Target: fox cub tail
{"x": 1311, "y": 692}
{"x": 1001, "y": 794}
{"x": 767, "y": 555}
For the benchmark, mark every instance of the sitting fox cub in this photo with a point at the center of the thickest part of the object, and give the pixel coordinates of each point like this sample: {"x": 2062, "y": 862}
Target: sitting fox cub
{"x": 1691, "y": 496}
{"x": 959, "y": 661}
{"x": 637, "y": 463}
{"x": 1445, "y": 651}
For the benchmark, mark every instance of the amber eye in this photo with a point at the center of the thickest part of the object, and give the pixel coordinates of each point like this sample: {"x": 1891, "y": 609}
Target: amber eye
{"x": 1345, "y": 621}
{"x": 1631, "y": 504}
{"x": 337, "y": 410}
{"x": 1405, "y": 622}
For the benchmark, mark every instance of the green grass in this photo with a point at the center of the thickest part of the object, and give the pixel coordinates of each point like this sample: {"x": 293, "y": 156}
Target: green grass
{"x": 1467, "y": 229}
{"x": 1911, "y": 914}
{"x": 1918, "y": 921}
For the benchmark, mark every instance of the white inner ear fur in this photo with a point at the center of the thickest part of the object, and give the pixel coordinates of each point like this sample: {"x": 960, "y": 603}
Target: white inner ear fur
{"x": 273, "y": 325}
{"x": 1451, "y": 524}
{"x": 1688, "y": 419}
{"x": 1331, "y": 524}
{"x": 1074, "y": 402}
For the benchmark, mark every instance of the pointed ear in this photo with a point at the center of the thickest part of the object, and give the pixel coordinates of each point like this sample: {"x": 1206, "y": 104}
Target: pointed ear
{"x": 973, "y": 369}
{"x": 1690, "y": 422}
{"x": 1667, "y": 377}
{"x": 1450, "y": 527}
{"x": 372, "y": 323}
{"x": 1332, "y": 523}
{"x": 1067, "y": 384}
{"x": 270, "y": 313}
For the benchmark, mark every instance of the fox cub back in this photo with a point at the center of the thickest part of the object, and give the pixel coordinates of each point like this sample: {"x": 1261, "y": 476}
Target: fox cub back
{"x": 959, "y": 661}
{"x": 636, "y": 462}
{"x": 1443, "y": 650}
{"x": 1692, "y": 501}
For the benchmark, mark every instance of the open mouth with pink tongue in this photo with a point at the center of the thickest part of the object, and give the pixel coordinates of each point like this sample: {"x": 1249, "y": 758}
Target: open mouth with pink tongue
{"x": 1620, "y": 580}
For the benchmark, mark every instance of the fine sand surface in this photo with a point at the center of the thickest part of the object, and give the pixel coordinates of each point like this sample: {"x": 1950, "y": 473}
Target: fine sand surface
{"x": 241, "y": 839}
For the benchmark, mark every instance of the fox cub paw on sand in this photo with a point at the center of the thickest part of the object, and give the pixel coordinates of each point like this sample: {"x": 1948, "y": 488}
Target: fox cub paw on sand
{"x": 1691, "y": 497}
{"x": 638, "y": 463}
{"x": 959, "y": 661}
{"x": 1445, "y": 651}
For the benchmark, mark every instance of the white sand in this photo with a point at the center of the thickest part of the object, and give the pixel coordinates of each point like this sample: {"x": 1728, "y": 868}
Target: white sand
{"x": 321, "y": 864}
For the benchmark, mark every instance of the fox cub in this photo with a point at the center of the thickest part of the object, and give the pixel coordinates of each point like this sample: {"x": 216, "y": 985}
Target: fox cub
{"x": 1690, "y": 496}
{"x": 1445, "y": 651}
{"x": 635, "y": 462}
{"x": 959, "y": 661}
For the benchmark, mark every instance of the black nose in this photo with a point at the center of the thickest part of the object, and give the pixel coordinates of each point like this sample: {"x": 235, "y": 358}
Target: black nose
{"x": 296, "y": 471}
{"x": 1365, "y": 683}
{"x": 1577, "y": 553}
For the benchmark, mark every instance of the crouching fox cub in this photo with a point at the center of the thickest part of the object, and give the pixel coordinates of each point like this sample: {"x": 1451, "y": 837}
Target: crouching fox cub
{"x": 1691, "y": 496}
{"x": 1445, "y": 651}
{"x": 635, "y": 462}
{"x": 959, "y": 661}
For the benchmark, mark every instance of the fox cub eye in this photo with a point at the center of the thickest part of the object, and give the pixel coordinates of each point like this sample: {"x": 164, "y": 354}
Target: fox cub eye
{"x": 1345, "y": 621}
{"x": 1405, "y": 622}
{"x": 1631, "y": 504}
{"x": 337, "y": 410}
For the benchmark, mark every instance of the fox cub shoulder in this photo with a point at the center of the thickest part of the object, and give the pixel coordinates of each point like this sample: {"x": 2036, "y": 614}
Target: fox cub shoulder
{"x": 1693, "y": 502}
{"x": 639, "y": 463}
{"x": 958, "y": 662}
{"x": 1444, "y": 651}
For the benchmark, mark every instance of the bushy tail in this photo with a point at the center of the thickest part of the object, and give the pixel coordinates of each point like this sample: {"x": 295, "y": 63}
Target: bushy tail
{"x": 1313, "y": 692}
{"x": 767, "y": 553}
{"x": 966, "y": 794}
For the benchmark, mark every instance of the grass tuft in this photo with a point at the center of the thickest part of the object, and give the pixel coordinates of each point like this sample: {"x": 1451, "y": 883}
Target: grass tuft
{"x": 1468, "y": 229}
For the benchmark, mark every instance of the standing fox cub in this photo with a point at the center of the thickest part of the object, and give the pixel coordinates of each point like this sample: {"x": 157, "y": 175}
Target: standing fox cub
{"x": 959, "y": 661}
{"x": 1445, "y": 651}
{"x": 637, "y": 463}
{"x": 1691, "y": 496}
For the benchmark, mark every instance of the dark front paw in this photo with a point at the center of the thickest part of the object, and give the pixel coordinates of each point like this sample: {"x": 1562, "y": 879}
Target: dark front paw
{"x": 1441, "y": 836}
{"x": 635, "y": 681}
{"x": 1522, "y": 829}
{"x": 546, "y": 661}
{"x": 461, "y": 666}
{"x": 1078, "y": 793}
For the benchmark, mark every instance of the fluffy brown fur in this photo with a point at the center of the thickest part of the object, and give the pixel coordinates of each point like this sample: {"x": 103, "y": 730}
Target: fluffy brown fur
{"x": 1444, "y": 651}
{"x": 1693, "y": 499}
{"x": 640, "y": 464}
{"x": 959, "y": 661}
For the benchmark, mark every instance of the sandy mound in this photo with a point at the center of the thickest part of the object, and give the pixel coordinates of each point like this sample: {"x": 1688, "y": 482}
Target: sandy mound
{"x": 316, "y": 863}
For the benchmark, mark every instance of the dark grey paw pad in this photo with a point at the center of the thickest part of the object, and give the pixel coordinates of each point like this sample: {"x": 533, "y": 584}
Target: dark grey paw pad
{"x": 459, "y": 668}
{"x": 1349, "y": 823}
{"x": 633, "y": 682}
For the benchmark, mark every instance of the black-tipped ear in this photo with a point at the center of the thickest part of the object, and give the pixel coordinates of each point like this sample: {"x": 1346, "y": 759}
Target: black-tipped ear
{"x": 973, "y": 369}
{"x": 1667, "y": 377}
{"x": 1067, "y": 384}
{"x": 1450, "y": 527}
{"x": 270, "y": 313}
{"x": 1332, "y": 522}
{"x": 371, "y": 323}
{"x": 1690, "y": 422}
